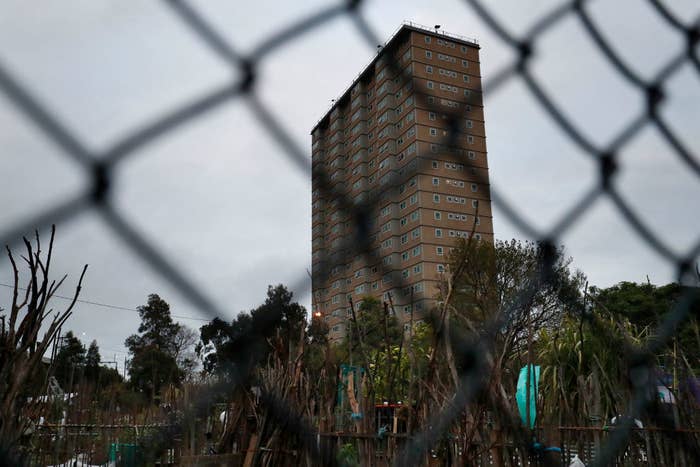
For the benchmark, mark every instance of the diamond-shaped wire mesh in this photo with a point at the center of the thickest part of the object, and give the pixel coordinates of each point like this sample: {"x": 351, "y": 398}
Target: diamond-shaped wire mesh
{"x": 102, "y": 165}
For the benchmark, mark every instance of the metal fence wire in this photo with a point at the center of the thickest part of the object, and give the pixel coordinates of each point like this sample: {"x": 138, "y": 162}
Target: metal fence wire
{"x": 100, "y": 167}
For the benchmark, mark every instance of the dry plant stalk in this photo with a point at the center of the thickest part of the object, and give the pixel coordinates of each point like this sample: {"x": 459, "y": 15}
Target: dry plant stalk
{"x": 21, "y": 349}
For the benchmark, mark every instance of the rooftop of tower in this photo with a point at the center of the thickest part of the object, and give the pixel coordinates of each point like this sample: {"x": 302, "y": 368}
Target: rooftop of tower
{"x": 405, "y": 27}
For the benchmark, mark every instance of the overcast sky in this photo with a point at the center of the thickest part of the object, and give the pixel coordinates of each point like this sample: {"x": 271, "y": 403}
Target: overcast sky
{"x": 221, "y": 200}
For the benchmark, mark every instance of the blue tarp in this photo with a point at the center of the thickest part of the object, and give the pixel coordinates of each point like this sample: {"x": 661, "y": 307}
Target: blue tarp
{"x": 521, "y": 393}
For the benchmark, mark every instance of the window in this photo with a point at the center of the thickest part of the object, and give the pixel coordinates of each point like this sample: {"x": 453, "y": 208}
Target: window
{"x": 470, "y": 139}
{"x": 475, "y": 188}
{"x": 415, "y": 233}
{"x": 405, "y": 273}
{"x": 470, "y": 124}
{"x": 416, "y": 251}
{"x": 440, "y": 268}
{"x": 413, "y": 199}
{"x": 475, "y": 204}
{"x": 404, "y": 239}
{"x": 404, "y": 256}
{"x": 436, "y": 181}
{"x": 433, "y": 132}
{"x": 431, "y": 116}
{"x": 466, "y": 78}
{"x": 428, "y": 69}
{"x": 467, "y": 93}
{"x": 428, "y": 54}
{"x": 471, "y": 155}
{"x": 417, "y": 269}
{"x": 439, "y": 251}
{"x": 438, "y": 233}
{"x": 431, "y": 100}
{"x": 464, "y": 49}
{"x": 430, "y": 85}
{"x": 402, "y": 205}
{"x": 465, "y": 63}
{"x": 435, "y": 164}
{"x": 438, "y": 215}
{"x": 477, "y": 236}
{"x": 415, "y": 215}
{"x": 436, "y": 198}
{"x": 427, "y": 39}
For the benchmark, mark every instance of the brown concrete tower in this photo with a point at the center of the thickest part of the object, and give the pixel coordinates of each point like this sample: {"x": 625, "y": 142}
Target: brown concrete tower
{"x": 385, "y": 143}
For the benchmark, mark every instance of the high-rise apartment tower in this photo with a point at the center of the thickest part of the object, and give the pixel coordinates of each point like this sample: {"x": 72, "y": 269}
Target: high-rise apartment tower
{"x": 406, "y": 144}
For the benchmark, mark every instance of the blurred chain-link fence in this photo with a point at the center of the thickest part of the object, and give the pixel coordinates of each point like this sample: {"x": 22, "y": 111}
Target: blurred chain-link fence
{"x": 102, "y": 166}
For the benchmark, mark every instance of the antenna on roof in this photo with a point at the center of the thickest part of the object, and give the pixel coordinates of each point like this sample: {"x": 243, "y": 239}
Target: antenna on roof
{"x": 437, "y": 26}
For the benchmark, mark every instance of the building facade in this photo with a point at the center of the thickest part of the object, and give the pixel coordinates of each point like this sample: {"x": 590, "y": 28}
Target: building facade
{"x": 405, "y": 144}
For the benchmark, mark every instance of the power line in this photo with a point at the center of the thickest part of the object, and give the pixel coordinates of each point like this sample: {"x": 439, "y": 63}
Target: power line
{"x": 106, "y": 305}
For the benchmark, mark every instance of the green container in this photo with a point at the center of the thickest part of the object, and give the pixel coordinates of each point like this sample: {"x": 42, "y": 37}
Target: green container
{"x": 125, "y": 454}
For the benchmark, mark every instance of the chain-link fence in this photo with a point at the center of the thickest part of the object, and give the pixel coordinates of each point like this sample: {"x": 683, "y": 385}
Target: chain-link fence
{"x": 101, "y": 167}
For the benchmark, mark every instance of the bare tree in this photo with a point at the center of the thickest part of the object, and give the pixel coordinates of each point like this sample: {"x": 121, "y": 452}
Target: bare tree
{"x": 21, "y": 348}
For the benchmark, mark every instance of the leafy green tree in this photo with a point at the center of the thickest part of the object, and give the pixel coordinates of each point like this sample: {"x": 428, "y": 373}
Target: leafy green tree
{"x": 92, "y": 362}
{"x": 153, "y": 352}
{"x": 69, "y": 360}
{"x": 645, "y": 306}
{"x": 504, "y": 282}
{"x": 236, "y": 347}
